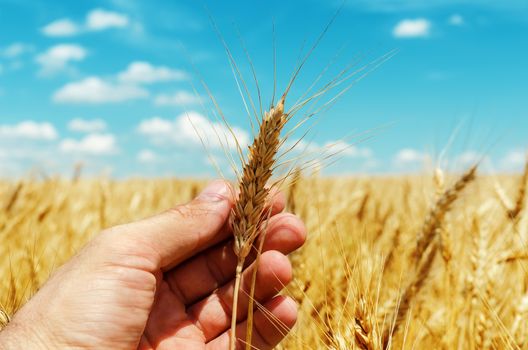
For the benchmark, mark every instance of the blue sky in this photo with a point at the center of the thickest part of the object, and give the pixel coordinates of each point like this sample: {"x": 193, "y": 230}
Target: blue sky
{"x": 114, "y": 84}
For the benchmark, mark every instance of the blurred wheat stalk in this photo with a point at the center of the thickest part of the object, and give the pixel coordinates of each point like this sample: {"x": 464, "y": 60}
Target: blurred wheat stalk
{"x": 358, "y": 279}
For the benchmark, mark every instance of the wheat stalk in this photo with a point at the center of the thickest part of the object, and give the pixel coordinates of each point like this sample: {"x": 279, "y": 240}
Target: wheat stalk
{"x": 480, "y": 286}
{"x": 247, "y": 215}
{"x": 295, "y": 179}
{"x": 408, "y": 294}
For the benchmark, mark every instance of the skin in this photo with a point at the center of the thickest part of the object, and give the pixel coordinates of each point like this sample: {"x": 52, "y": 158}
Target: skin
{"x": 165, "y": 282}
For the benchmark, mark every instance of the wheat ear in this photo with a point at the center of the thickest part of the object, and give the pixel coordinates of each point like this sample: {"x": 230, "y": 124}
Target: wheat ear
{"x": 366, "y": 333}
{"x": 443, "y": 205}
{"x": 431, "y": 226}
{"x": 521, "y": 193}
{"x": 247, "y": 215}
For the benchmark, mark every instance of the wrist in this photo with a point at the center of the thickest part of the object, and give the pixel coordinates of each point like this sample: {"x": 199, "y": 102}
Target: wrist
{"x": 18, "y": 336}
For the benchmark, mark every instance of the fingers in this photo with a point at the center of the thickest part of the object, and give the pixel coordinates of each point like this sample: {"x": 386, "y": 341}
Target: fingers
{"x": 216, "y": 266}
{"x": 185, "y": 230}
{"x": 213, "y": 314}
{"x": 270, "y": 326}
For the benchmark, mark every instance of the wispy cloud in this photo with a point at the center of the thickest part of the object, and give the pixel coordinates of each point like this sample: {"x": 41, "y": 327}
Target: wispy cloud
{"x": 92, "y": 144}
{"x": 343, "y": 149}
{"x": 146, "y": 73}
{"x": 409, "y": 156}
{"x": 190, "y": 130}
{"x": 63, "y": 27}
{"x": 29, "y": 130}
{"x": 100, "y": 19}
{"x": 456, "y": 20}
{"x": 179, "y": 98}
{"x": 58, "y": 57}
{"x": 412, "y": 28}
{"x": 124, "y": 86}
{"x": 147, "y": 156}
{"x": 87, "y": 125}
{"x": 514, "y": 160}
{"x": 94, "y": 90}
{"x": 469, "y": 158}
{"x": 15, "y": 50}
{"x": 96, "y": 20}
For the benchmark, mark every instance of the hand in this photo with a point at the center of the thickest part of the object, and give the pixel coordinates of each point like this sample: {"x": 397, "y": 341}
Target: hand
{"x": 163, "y": 283}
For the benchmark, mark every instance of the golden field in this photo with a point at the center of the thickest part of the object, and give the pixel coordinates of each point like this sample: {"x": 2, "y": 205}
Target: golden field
{"x": 357, "y": 269}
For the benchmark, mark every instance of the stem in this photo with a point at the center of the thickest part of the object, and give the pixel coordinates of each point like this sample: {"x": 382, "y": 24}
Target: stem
{"x": 249, "y": 329}
{"x": 238, "y": 274}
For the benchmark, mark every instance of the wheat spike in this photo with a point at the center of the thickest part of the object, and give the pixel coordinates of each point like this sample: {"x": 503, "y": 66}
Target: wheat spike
{"x": 521, "y": 193}
{"x": 443, "y": 205}
{"x": 365, "y": 328}
{"x": 480, "y": 286}
{"x": 13, "y": 197}
{"x": 247, "y": 212}
{"x": 247, "y": 215}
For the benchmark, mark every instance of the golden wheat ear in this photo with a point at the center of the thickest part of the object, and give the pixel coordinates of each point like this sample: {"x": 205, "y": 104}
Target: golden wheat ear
{"x": 247, "y": 215}
{"x": 436, "y": 216}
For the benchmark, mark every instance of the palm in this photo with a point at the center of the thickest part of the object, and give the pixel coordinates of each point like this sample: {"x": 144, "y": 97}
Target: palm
{"x": 192, "y": 308}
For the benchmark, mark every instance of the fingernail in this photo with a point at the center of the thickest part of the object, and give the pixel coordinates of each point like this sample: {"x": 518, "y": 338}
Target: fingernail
{"x": 216, "y": 191}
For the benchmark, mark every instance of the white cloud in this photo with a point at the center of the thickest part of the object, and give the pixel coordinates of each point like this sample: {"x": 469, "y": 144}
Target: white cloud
{"x": 408, "y": 156}
{"x": 96, "y": 20}
{"x": 144, "y": 72}
{"x": 341, "y": 148}
{"x": 61, "y": 28}
{"x": 190, "y": 129}
{"x": 514, "y": 159}
{"x": 16, "y": 49}
{"x": 179, "y": 98}
{"x": 95, "y": 90}
{"x": 29, "y": 130}
{"x": 87, "y": 126}
{"x": 469, "y": 158}
{"x": 100, "y": 19}
{"x": 93, "y": 144}
{"x": 147, "y": 156}
{"x": 57, "y": 57}
{"x": 456, "y": 20}
{"x": 327, "y": 156}
{"x": 412, "y": 28}
{"x": 155, "y": 126}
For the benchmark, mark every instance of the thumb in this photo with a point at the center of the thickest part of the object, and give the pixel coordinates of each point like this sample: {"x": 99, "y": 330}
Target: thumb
{"x": 179, "y": 233}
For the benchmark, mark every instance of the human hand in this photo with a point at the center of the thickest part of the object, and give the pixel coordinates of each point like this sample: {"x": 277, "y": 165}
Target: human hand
{"x": 165, "y": 282}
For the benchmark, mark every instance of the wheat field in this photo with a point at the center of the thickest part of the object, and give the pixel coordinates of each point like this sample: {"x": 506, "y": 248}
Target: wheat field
{"x": 361, "y": 280}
